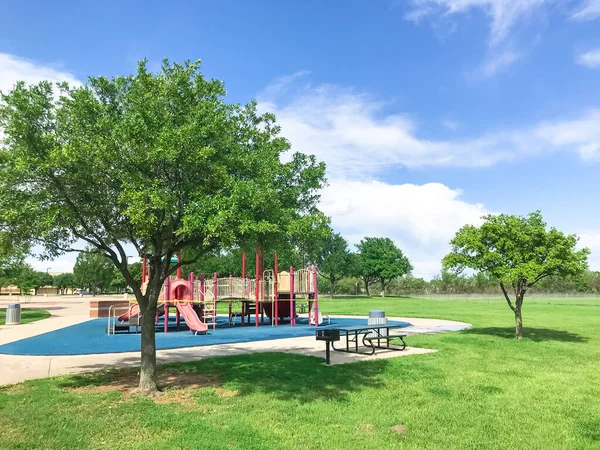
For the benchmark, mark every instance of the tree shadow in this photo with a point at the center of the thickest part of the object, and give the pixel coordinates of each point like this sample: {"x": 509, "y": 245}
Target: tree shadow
{"x": 283, "y": 375}
{"x": 534, "y": 334}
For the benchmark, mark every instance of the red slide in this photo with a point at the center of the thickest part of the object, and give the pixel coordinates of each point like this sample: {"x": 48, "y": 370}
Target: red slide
{"x": 134, "y": 310}
{"x": 191, "y": 318}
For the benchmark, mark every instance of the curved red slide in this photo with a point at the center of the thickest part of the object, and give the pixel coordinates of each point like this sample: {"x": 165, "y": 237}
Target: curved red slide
{"x": 134, "y": 310}
{"x": 191, "y": 318}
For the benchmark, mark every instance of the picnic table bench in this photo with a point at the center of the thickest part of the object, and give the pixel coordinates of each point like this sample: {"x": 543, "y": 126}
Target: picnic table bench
{"x": 371, "y": 336}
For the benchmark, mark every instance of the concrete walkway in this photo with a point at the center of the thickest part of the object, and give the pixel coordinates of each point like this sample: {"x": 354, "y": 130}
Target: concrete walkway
{"x": 16, "y": 368}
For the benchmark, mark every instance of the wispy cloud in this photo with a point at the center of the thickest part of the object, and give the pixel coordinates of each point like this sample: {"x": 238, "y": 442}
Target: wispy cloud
{"x": 351, "y": 133}
{"x": 589, "y": 59}
{"x": 503, "y": 14}
{"x": 497, "y": 63}
{"x": 588, "y": 10}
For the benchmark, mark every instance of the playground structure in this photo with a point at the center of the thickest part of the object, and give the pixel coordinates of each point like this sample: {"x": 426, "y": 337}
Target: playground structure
{"x": 272, "y": 293}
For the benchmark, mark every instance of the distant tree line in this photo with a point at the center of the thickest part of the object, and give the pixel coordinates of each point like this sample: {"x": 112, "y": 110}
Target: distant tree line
{"x": 450, "y": 283}
{"x": 90, "y": 273}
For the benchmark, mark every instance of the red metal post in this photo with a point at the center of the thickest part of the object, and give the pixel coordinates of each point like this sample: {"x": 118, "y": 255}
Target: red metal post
{"x": 292, "y": 301}
{"x": 167, "y": 298}
{"x": 178, "y": 261}
{"x": 215, "y": 292}
{"x": 244, "y": 265}
{"x": 202, "y": 286}
{"x": 143, "y": 270}
{"x": 276, "y": 289}
{"x": 316, "y": 296}
{"x": 257, "y": 282}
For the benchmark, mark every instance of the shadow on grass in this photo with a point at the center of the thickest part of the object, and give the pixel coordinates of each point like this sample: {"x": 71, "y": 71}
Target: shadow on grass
{"x": 534, "y": 334}
{"x": 283, "y": 375}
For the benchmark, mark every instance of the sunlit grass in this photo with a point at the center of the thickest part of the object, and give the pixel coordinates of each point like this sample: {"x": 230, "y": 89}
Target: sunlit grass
{"x": 481, "y": 390}
{"x": 27, "y": 315}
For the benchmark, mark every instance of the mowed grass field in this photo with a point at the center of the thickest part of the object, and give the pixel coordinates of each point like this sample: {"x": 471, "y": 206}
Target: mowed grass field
{"x": 481, "y": 390}
{"x": 27, "y": 315}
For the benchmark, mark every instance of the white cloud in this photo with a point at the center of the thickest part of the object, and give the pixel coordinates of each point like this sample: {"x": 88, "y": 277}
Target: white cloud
{"x": 503, "y": 14}
{"x": 589, "y": 59}
{"x": 357, "y": 139}
{"x": 591, "y": 240}
{"x": 420, "y": 219}
{"x": 588, "y": 10}
{"x": 13, "y": 69}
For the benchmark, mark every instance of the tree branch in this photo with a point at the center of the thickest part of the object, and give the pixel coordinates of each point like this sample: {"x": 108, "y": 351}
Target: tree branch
{"x": 507, "y": 297}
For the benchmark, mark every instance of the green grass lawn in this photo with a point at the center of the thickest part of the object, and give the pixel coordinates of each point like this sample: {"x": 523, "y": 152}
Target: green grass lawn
{"x": 27, "y": 315}
{"x": 481, "y": 390}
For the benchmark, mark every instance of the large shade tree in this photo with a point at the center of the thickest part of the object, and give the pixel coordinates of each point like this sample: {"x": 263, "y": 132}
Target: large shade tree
{"x": 151, "y": 163}
{"x": 518, "y": 252}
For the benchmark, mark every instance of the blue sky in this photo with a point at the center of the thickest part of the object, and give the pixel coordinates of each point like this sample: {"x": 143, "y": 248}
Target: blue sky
{"x": 429, "y": 113}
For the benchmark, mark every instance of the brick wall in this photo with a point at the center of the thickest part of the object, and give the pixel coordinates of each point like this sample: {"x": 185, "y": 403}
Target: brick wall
{"x": 99, "y": 308}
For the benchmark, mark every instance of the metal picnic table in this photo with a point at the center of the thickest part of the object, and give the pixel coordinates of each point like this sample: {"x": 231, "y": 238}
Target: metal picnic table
{"x": 372, "y": 337}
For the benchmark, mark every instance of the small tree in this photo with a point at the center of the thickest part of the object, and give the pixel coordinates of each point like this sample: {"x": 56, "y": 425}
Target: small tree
{"x": 64, "y": 281}
{"x": 517, "y": 252}
{"x": 380, "y": 259}
{"x": 93, "y": 271}
{"x": 26, "y": 279}
{"x": 334, "y": 261}
{"x": 155, "y": 162}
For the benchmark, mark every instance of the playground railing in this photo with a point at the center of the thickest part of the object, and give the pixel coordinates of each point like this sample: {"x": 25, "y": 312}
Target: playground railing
{"x": 112, "y": 314}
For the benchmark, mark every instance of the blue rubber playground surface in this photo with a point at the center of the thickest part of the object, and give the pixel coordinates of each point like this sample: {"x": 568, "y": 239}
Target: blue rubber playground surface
{"x": 90, "y": 337}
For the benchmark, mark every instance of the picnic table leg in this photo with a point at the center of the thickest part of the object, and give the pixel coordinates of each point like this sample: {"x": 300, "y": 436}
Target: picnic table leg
{"x": 347, "y": 342}
{"x": 327, "y": 353}
{"x": 368, "y": 343}
{"x": 356, "y": 340}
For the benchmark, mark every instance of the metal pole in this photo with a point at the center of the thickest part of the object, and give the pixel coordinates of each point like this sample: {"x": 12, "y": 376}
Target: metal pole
{"x": 215, "y": 292}
{"x": 244, "y": 265}
{"x": 276, "y": 290}
{"x": 316, "y": 296}
{"x": 292, "y": 302}
{"x": 257, "y": 282}
{"x": 167, "y": 298}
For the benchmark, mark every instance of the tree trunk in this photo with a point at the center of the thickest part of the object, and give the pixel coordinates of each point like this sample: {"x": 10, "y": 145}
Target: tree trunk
{"x": 366, "y": 287}
{"x": 148, "y": 383}
{"x": 518, "y": 323}
{"x": 383, "y": 287}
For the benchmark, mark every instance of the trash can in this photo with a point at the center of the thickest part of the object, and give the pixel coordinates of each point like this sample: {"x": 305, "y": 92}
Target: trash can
{"x": 377, "y": 317}
{"x": 13, "y": 314}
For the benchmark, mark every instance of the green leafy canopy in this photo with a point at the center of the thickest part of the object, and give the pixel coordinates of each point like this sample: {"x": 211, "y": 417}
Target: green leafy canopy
{"x": 158, "y": 161}
{"x": 511, "y": 248}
